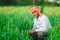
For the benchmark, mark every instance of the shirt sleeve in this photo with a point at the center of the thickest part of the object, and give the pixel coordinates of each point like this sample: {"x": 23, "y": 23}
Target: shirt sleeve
{"x": 43, "y": 27}
{"x": 34, "y": 25}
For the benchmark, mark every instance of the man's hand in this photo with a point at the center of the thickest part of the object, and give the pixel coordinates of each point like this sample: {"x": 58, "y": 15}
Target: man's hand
{"x": 32, "y": 31}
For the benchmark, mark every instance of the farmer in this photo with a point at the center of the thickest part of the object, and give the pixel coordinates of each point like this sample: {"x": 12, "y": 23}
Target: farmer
{"x": 41, "y": 25}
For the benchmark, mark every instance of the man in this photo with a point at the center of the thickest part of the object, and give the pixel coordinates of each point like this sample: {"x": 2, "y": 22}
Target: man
{"x": 41, "y": 25}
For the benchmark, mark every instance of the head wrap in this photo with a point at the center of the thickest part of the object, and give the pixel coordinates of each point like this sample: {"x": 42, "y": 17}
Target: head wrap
{"x": 35, "y": 9}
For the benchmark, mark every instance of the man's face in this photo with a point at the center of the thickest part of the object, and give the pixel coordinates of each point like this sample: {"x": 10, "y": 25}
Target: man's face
{"x": 35, "y": 14}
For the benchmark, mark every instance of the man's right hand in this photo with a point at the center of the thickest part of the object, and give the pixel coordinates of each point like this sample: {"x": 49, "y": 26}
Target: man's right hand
{"x": 32, "y": 31}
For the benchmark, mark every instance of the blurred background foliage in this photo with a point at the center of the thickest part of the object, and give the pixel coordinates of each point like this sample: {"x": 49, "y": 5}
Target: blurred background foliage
{"x": 30, "y": 2}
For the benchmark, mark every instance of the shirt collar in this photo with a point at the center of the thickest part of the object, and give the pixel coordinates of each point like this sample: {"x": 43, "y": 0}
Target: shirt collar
{"x": 39, "y": 18}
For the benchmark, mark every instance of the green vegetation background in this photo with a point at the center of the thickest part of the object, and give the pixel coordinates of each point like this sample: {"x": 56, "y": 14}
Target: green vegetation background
{"x": 16, "y": 21}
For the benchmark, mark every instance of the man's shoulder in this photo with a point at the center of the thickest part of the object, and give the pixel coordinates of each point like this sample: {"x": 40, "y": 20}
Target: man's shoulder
{"x": 44, "y": 16}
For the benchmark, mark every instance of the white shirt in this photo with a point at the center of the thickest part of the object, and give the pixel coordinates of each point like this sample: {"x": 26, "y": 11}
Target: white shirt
{"x": 41, "y": 24}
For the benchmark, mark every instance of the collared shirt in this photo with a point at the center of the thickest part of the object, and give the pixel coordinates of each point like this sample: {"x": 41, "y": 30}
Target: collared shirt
{"x": 41, "y": 24}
